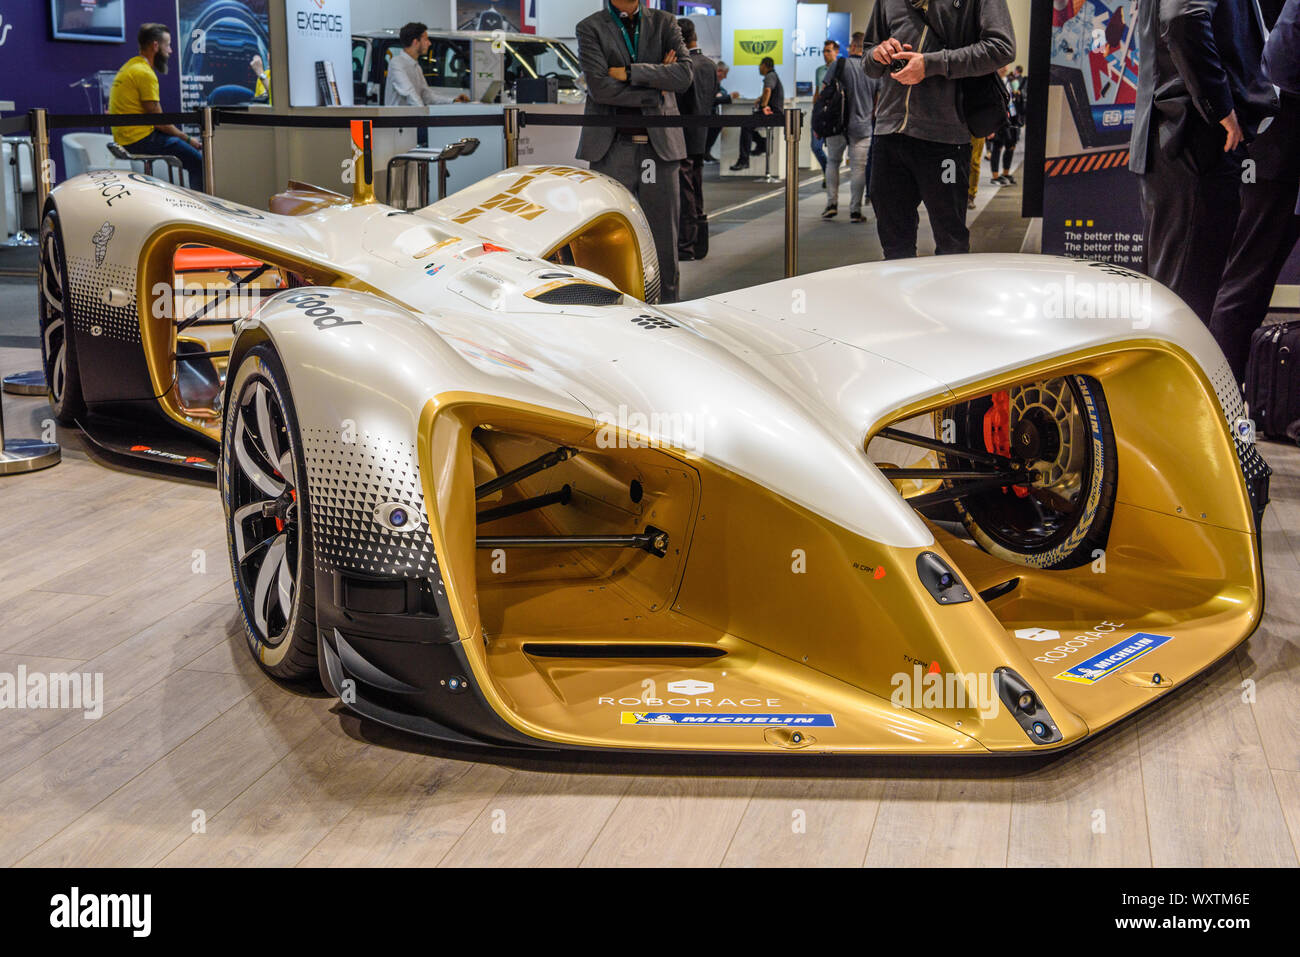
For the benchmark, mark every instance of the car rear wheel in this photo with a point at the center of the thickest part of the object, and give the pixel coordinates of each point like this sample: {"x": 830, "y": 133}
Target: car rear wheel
{"x": 268, "y": 517}
{"x": 58, "y": 352}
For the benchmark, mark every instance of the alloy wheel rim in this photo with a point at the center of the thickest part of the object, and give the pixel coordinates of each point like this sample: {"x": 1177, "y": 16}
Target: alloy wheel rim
{"x": 264, "y": 512}
{"x": 54, "y": 336}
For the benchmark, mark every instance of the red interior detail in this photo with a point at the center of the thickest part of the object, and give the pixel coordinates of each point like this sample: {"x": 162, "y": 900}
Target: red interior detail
{"x": 207, "y": 258}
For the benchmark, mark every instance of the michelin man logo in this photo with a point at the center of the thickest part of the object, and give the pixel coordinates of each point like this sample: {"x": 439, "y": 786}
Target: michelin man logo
{"x": 100, "y": 239}
{"x": 1038, "y": 634}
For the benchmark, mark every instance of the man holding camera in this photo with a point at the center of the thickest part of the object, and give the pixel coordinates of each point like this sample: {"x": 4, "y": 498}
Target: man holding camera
{"x": 920, "y": 49}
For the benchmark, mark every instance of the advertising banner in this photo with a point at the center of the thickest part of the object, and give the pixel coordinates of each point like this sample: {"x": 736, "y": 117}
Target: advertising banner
{"x": 809, "y": 38}
{"x": 320, "y": 52}
{"x": 751, "y": 46}
{"x": 225, "y": 52}
{"x": 1090, "y": 199}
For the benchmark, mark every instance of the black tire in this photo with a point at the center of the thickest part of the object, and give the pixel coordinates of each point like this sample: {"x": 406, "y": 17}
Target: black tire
{"x": 282, "y": 640}
{"x": 1053, "y": 523}
{"x": 58, "y": 346}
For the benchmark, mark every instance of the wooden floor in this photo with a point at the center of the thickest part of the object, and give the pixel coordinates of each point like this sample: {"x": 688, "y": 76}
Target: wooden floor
{"x": 199, "y": 759}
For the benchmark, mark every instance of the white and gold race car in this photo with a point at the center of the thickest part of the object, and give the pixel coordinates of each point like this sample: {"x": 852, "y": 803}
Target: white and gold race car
{"x": 490, "y": 492}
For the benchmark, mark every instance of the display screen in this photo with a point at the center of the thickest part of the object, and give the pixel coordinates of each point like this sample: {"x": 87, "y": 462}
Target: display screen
{"x": 1095, "y": 56}
{"x": 100, "y": 21}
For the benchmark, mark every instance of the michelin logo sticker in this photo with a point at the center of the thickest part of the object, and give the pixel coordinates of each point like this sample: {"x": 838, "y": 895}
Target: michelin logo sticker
{"x": 681, "y": 717}
{"x": 1099, "y": 666}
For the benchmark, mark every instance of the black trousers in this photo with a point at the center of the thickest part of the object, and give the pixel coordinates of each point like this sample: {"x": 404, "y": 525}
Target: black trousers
{"x": 1189, "y": 209}
{"x": 1267, "y": 231}
{"x": 749, "y": 139}
{"x": 629, "y": 162}
{"x": 906, "y": 172}
{"x": 692, "y": 200}
{"x": 1004, "y": 148}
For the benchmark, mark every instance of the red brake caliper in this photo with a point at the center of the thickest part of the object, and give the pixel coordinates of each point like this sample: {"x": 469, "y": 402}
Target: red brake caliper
{"x": 997, "y": 431}
{"x": 279, "y": 523}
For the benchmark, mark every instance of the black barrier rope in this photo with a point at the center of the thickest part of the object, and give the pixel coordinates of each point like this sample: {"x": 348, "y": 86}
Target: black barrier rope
{"x": 62, "y": 121}
{"x": 753, "y": 120}
{"x": 241, "y": 118}
{"x": 22, "y": 124}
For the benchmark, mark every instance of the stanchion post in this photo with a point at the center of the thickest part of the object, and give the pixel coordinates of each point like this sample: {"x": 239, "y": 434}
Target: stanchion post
{"x": 793, "y": 123}
{"x": 31, "y": 382}
{"x": 44, "y": 171}
{"x": 209, "y": 161}
{"x": 512, "y": 136}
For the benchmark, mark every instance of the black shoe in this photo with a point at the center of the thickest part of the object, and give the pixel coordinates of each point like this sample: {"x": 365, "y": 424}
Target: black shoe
{"x": 685, "y": 257}
{"x": 1008, "y": 179}
{"x": 710, "y": 159}
{"x": 998, "y": 181}
{"x": 857, "y": 218}
{"x": 736, "y": 167}
{"x": 829, "y": 212}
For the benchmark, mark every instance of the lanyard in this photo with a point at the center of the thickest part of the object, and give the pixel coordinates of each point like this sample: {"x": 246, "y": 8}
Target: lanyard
{"x": 633, "y": 42}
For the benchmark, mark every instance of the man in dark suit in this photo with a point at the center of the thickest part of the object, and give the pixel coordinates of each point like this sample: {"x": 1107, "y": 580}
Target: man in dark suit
{"x": 634, "y": 59}
{"x": 697, "y": 101}
{"x": 1268, "y": 226}
{"x": 1199, "y": 98}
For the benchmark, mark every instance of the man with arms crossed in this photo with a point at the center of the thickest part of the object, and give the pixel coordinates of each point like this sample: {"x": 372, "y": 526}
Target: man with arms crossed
{"x": 634, "y": 61}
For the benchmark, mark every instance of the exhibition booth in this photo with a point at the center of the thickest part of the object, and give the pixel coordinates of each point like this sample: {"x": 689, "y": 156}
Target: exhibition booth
{"x": 418, "y": 494}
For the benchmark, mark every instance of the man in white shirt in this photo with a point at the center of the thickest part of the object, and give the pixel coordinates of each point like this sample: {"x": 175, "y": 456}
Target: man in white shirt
{"x": 406, "y": 85}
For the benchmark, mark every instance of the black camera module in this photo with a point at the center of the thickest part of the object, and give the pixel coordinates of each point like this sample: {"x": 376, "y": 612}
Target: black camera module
{"x": 897, "y": 65}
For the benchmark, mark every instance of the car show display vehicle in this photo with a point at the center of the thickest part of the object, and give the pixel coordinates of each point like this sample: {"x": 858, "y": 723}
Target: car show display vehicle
{"x": 490, "y": 491}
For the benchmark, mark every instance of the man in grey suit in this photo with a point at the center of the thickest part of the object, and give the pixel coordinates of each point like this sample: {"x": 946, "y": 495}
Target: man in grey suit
{"x": 634, "y": 61}
{"x": 692, "y": 235}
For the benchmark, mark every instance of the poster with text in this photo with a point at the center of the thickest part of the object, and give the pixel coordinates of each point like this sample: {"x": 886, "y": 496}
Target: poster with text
{"x": 1090, "y": 199}
{"x": 320, "y": 52}
{"x": 225, "y": 52}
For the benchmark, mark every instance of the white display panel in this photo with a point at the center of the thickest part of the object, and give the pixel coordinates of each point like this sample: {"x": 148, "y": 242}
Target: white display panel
{"x": 318, "y": 30}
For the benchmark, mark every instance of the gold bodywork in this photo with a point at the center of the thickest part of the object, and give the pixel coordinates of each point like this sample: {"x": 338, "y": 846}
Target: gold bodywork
{"x": 832, "y": 637}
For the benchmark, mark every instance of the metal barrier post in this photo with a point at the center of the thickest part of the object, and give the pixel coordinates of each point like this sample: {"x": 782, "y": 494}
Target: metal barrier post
{"x": 209, "y": 161}
{"x": 24, "y": 455}
{"x": 512, "y": 136}
{"x": 793, "y": 123}
{"x": 41, "y": 142}
{"x": 33, "y": 382}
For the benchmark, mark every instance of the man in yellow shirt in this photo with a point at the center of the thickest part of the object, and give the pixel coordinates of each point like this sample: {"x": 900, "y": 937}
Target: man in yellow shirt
{"x": 135, "y": 90}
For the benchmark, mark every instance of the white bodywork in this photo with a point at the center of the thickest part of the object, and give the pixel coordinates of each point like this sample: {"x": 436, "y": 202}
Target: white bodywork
{"x": 779, "y": 383}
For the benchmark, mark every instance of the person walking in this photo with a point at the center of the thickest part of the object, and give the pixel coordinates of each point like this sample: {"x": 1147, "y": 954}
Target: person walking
{"x": 856, "y": 138}
{"x": 634, "y": 60}
{"x": 830, "y": 55}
